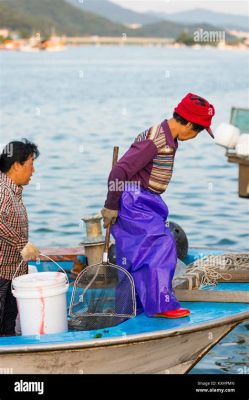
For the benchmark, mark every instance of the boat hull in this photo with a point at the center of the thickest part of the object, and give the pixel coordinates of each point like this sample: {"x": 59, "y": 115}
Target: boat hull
{"x": 162, "y": 352}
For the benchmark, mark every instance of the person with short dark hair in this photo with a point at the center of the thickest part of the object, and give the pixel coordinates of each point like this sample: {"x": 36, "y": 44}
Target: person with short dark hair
{"x": 144, "y": 244}
{"x": 16, "y": 169}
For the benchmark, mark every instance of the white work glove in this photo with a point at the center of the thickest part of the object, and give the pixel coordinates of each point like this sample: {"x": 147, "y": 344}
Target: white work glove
{"x": 109, "y": 216}
{"x": 30, "y": 252}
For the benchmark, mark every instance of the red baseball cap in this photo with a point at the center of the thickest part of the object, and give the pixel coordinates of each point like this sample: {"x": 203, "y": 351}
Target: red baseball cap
{"x": 197, "y": 110}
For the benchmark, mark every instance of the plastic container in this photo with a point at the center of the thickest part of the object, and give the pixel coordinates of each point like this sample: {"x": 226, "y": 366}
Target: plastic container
{"x": 31, "y": 270}
{"x": 242, "y": 146}
{"x": 227, "y": 135}
{"x": 41, "y": 301}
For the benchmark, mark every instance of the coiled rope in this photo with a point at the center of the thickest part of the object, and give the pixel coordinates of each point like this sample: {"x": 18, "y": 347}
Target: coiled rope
{"x": 209, "y": 269}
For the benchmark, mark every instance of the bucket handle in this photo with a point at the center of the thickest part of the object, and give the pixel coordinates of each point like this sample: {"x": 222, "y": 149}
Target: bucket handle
{"x": 43, "y": 255}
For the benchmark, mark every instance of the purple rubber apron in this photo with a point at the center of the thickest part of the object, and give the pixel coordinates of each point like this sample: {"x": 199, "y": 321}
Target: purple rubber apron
{"x": 146, "y": 248}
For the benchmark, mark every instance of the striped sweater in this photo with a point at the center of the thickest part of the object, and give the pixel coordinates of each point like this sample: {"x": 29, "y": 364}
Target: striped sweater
{"x": 149, "y": 161}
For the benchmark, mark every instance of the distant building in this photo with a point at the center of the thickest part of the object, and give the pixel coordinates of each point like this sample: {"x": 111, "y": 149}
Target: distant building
{"x": 4, "y": 32}
{"x": 133, "y": 26}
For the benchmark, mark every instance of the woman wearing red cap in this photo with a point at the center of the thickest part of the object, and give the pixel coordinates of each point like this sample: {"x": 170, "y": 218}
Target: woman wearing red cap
{"x": 144, "y": 244}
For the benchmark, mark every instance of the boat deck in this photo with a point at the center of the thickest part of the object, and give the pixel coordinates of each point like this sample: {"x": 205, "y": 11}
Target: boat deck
{"x": 200, "y": 313}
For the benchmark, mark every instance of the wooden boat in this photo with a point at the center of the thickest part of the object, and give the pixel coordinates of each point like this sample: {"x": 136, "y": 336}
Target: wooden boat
{"x": 139, "y": 345}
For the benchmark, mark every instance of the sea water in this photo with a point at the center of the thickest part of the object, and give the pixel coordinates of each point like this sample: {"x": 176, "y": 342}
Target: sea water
{"x": 77, "y": 104}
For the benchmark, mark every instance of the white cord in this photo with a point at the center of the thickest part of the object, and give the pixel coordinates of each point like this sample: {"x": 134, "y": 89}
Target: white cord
{"x": 210, "y": 273}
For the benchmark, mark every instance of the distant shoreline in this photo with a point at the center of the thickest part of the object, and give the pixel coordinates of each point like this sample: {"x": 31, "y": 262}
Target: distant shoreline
{"x": 119, "y": 40}
{"x": 59, "y": 43}
{"x": 126, "y": 40}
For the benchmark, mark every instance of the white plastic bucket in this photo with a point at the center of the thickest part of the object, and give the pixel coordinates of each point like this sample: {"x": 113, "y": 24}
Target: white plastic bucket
{"x": 227, "y": 135}
{"x": 31, "y": 270}
{"x": 41, "y": 302}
